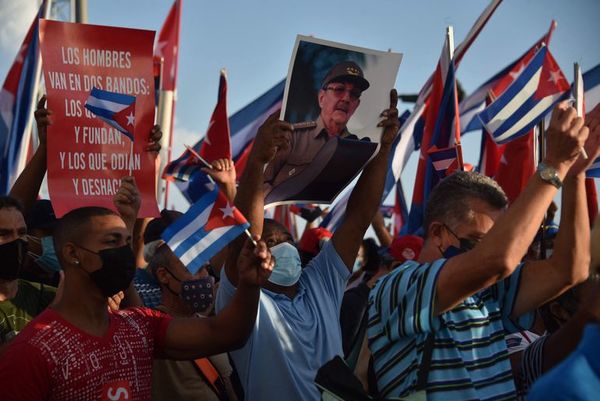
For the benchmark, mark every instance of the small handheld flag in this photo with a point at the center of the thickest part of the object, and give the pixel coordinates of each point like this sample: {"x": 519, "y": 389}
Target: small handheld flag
{"x": 206, "y": 228}
{"x": 115, "y": 109}
{"x": 527, "y": 100}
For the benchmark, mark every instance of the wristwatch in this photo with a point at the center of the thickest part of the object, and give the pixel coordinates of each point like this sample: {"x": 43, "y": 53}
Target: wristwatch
{"x": 549, "y": 174}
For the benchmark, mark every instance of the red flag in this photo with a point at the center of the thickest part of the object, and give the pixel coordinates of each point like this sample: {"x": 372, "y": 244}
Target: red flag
{"x": 216, "y": 144}
{"x": 516, "y": 166}
{"x": 167, "y": 47}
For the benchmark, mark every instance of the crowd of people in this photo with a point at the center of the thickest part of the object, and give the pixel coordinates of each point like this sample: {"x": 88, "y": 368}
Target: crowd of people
{"x": 95, "y": 305}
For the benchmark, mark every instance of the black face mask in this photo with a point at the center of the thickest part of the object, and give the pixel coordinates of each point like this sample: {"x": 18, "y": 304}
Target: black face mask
{"x": 12, "y": 257}
{"x": 466, "y": 244}
{"x": 117, "y": 271}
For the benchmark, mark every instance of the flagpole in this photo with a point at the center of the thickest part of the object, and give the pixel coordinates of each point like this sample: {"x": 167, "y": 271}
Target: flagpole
{"x": 542, "y": 153}
{"x": 28, "y": 131}
{"x": 450, "y": 40}
{"x": 579, "y": 103}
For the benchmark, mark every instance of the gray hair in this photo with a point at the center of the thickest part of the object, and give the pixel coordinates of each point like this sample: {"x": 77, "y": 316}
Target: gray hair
{"x": 449, "y": 200}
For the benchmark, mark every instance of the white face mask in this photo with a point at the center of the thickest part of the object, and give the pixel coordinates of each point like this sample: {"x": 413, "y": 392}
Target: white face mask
{"x": 288, "y": 267}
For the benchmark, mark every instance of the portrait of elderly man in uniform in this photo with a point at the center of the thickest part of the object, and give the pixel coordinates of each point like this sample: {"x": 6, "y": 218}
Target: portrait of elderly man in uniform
{"x": 338, "y": 99}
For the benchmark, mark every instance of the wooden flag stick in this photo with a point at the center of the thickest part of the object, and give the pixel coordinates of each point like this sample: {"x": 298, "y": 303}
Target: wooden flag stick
{"x": 250, "y": 236}
{"x": 197, "y": 156}
{"x": 578, "y": 86}
{"x": 131, "y": 159}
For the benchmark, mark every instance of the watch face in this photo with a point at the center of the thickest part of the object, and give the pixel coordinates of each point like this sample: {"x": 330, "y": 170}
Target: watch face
{"x": 546, "y": 174}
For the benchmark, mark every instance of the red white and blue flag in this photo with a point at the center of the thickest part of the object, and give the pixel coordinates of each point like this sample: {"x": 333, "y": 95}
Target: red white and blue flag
{"x": 206, "y": 228}
{"x": 527, "y": 100}
{"x": 445, "y": 161}
{"x": 115, "y": 109}
{"x": 216, "y": 143}
{"x": 16, "y": 105}
{"x": 243, "y": 125}
{"x": 412, "y": 130}
{"x": 591, "y": 84}
{"x": 439, "y": 133}
{"x": 473, "y": 104}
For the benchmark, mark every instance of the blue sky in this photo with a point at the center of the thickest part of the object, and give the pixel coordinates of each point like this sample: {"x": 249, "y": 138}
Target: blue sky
{"x": 254, "y": 40}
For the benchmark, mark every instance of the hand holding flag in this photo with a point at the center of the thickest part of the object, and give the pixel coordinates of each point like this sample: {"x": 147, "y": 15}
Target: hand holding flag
{"x": 566, "y": 136}
{"x": 205, "y": 229}
{"x": 255, "y": 263}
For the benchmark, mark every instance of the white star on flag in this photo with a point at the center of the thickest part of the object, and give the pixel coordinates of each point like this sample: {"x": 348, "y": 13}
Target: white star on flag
{"x": 227, "y": 210}
{"x": 130, "y": 119}
{"x": 515, "y": 74}
{"x": 554, "y": 77}
{"x": 159, "y": 48}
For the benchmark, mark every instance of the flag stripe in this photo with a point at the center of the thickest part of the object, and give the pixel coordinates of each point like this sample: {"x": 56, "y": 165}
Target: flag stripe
{"x": 106, "y": 97}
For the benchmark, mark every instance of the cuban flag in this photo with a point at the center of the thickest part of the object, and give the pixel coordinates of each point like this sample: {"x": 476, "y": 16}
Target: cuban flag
{"x": 412, "y": 130}
{"x": 591, "y": 83}
{"x": 439, "y": 131}
{"x": 336, "y": 214}
{"x": 473, "y": 104}
{"x": 216, "y": 144}
{"x": 115, "y": 109}
{"x": 17, "y": 105}
{"x": 445, "y": 161}
{"x": 206, "y": 228}
{"x": 527, "y": 100}
{"x": 243, "y": 126}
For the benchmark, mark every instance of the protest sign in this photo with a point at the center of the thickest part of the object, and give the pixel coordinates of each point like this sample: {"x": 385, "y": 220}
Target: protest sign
{"x": 334, "y": 95}
{"x": 86, "y": 156}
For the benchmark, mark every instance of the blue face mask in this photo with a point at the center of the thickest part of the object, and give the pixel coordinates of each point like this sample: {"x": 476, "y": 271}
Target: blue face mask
{"x": 48, "y": 259}
{"x": 288, "y": 267}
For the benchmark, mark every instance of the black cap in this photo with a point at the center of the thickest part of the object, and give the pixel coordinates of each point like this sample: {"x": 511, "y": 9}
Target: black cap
{"x": 155, "y": 228}
{"x": 41, "y": 216}
{"x": 347, "y": 71}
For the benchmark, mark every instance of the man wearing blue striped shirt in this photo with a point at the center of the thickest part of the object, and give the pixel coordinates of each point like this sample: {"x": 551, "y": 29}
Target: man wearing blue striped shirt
{"x": 469, "y": 287}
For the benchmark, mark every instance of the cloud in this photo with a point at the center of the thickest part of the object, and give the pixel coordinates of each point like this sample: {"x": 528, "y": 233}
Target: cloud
{"x": 15, "y": 19}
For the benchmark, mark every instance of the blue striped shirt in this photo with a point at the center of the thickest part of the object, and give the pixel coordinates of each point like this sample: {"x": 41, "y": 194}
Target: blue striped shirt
{"x": 469, "y": 359}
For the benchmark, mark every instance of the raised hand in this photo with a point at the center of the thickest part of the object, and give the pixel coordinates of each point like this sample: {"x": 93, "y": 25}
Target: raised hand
{"x": 592, "y": 145}
{"x": 390, "y": 123}
{"x": 566, "y": 137}
{"x": 255, "y": 263}
{"x": 222, "y": 171}
{"x": 154, "y": 139}
{"x": 42, "y": 120}
{"x": 272, "y": 136}
{"x": 127, "y": 201}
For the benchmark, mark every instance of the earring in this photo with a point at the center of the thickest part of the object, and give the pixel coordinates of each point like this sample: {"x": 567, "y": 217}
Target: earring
{"x": 76, "y": 262}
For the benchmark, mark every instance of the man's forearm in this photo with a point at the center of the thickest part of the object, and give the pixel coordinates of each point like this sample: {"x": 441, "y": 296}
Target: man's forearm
{"x": 366, "y": 196}
{"x": 571, "y": 255}
{"x": 250, "y": 197}
{"x": 27, "y": 186}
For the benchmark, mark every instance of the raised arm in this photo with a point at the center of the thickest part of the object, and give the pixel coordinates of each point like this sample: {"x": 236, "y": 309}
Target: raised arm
{"x": 191, "y": 338}
{"x": 249, "y": 200}
{"x": 27, "y": 186}
{"x": 366, "y": 195}
{"x": 502, "y": 248}
{"x": 570, "y": 261}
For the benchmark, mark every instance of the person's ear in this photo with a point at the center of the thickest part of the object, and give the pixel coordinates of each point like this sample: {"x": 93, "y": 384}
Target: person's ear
{"x": 70, "y": 254}
{"x": 321, "y": 97}
{"x": 435, "y": 233}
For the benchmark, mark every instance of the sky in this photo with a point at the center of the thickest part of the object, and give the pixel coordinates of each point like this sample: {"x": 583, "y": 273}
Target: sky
{"x": 253, "y": 40}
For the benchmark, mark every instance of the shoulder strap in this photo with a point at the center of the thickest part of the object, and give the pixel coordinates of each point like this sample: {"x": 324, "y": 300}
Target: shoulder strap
{"x": 209, "y": 372}
{"x": 425, "y": 365}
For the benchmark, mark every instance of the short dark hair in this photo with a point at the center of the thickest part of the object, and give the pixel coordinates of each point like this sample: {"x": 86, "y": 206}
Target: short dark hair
{"x": 73, "y": 225}
{"x": 449, "y": 200}
{"x": 159, "y": 259}
{"x": 10, "y": 202}
{"x": 275, "y": 226}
